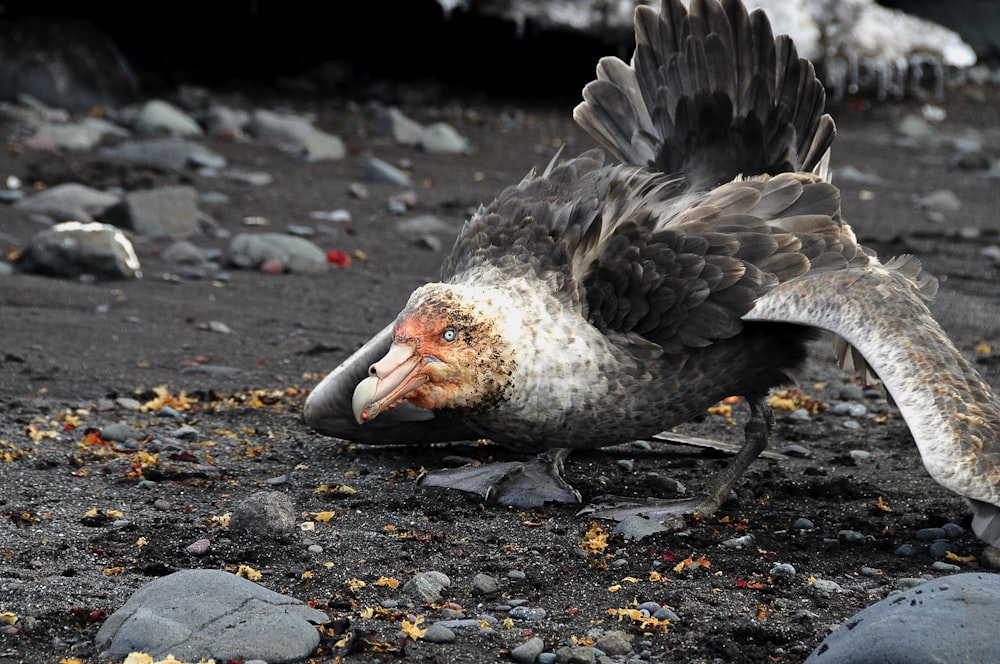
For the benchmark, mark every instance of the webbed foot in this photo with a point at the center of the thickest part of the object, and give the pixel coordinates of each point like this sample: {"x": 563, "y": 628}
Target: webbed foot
{"x": 514, "y": 483}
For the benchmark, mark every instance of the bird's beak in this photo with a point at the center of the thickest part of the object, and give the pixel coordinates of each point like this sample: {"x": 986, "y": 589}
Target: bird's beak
{"x": 389, "y": 381}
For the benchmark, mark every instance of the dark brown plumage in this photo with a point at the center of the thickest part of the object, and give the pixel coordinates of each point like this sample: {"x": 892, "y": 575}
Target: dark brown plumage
{"x": 597, "y": 303}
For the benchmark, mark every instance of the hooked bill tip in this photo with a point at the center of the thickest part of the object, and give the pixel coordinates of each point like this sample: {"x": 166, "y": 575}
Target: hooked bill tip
{"x": 362, "y": 399}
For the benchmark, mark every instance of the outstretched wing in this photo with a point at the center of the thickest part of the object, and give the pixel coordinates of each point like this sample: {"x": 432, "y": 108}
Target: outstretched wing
{"x": 682, "y": 272}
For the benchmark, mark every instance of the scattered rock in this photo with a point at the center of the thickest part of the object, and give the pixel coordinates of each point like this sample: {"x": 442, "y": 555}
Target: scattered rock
{"x": 199, "y": 614}
{"x": 528, "y": 652}
{"x": 267, "y": 513}
{"x": 438, "y": 633}
{"x": 157, "y": 118}
{"x": 441, "y": 138}
{"x": 296, "y": 254}
{"x": 68, "y": 202}
{"x": 73, "y": 249}
{"x": 377, "y": 170}
{"x": 296, "y": 135}
{"x": 164, "y": 212}
{"x": 170, "y": 154}
{"x": 921, "y": 624}
{"x": 395, "y": 124}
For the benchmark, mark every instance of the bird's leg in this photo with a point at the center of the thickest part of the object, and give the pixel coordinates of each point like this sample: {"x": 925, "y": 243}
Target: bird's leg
{"x": 671, "y": 512}
{"x": 515, "y": 483}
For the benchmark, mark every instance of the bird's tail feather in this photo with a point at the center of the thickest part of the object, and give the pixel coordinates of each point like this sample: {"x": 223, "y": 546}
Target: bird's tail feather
{"x": 711, "y": 93}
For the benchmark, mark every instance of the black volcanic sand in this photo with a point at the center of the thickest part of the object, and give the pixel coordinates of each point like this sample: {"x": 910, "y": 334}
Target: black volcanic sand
{"x": 84, "y": 524}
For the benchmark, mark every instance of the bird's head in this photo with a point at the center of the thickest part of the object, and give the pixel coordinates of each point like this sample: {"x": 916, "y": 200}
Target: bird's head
{"x": 448, "y": 351}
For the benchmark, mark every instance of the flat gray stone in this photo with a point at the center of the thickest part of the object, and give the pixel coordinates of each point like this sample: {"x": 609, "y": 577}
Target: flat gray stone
{"x": 250, "y": 250}
{"x": 164, "y": 212}
{"x": 69, "y": 201}
{"x": 200, "y": 614}
{"x": 171, "y": 154}
{"x": 951, "y": 619}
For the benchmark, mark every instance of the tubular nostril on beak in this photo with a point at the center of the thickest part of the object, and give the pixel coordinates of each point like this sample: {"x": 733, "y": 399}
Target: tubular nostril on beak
{"x": 372, "y": 371}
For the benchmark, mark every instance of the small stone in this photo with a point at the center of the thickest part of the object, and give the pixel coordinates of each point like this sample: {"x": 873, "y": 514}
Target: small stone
{"x": 827, "y": 587}
{"x": 666, "y": 614}
{"x": 377, "y": 170}
{"x": 906, "y": 551}
{"x": 484, "y": 584}
{"x": 424, "y": 588}
{"x": 528, "y": 652}
{"x": 527, "y": 614}
{"x": 199, "y": 547}
{"x": 850, "y": 536}
{"x": 797, "y": 451}
{"x": 990, "y": 557}
{"x": 738, "y": 542}
{"x": 267, "y": 513}
{"x": 782, "y": 571}
{"x": 851, "y": 391}
{"x": 437, "y": 633}
{"x": 614, "y": 643}
{"x": 930, "y": 534}
{"x": 803, "y": 523}
{"x": 941, "y": 566}
{"x": 939, "y": 548}
{"x": 953, "y": 530}
{"x": 441, "y": 138}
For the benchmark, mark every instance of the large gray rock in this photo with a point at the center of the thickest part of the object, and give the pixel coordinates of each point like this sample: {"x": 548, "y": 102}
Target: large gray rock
{"x": 295, "y": 254}
{"x": 69, "y": 201}
{"x": 73, "y": 249}
{"x": 164, "y": 212}
{"x": 951, "y": 619}
{"x": 200, "y": 614}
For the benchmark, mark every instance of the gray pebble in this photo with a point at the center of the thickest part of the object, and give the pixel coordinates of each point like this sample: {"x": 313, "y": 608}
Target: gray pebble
{"x": 267, "y": 513}
{"x": 199, "y": 548}
{"x": 953, "y": 530}
{"x": 782, "y": 571}
{"x": 800, "y": 415}
{"x": 484, "y": 584}
{"x": 547, "y": 658}
{"x": 860, "y": 456}
{"x": 738, "y": 542}
{"x": 803, "y": 524}
{"x": 527, "y": 614}
{"x": 516, "y": 575}
{"x": 528, "y": 652}
{"x": 666, "y": 614}
{"x": 377, "y": 170}
{"x": 851, "y": 424}
{"x": 827, "y": 587}
{"x": 850, "y": 392}
{"x": 906, "y": 551}
{"x": 869, "y": 571}
{"x": 797, "y": 451}
{"x": 990, "y": 557}
{"x": 941, "y": 566}
{"x": 930, "y": 534}
{"x": 614, "y": 643}
{"x": 850, "y": 536}
{"x": 424, "y": 587}
{"x": 437, "y": 633}
{"x": 939, "y": 548}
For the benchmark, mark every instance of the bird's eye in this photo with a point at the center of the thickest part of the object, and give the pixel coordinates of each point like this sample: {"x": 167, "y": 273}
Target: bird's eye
{"x": 449, "y": 334}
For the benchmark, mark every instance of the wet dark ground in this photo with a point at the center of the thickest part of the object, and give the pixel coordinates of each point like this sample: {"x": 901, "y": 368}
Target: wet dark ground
{"x": 68, "y": 348}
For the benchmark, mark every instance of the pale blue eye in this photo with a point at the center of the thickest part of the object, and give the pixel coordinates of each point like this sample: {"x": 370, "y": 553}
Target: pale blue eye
{"x": 449, "y": 334}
